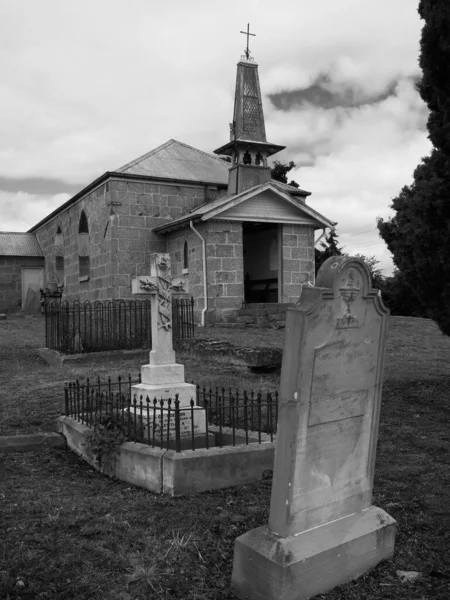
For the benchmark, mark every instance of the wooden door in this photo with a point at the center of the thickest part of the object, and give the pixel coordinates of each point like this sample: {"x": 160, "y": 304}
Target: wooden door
{"x": 32, "y": 282}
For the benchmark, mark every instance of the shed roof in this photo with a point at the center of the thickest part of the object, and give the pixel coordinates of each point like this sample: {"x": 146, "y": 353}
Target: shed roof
{"x": 175, "y": 160}
{"x": 19, "y": 244}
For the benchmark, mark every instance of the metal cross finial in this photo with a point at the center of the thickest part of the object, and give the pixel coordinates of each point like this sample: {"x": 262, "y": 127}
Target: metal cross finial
{"x": 247, "y": 33}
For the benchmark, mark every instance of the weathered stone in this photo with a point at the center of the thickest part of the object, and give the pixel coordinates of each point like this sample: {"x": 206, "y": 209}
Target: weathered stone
{"x": 322, "y": 528}
{"x": 162, "y": 377}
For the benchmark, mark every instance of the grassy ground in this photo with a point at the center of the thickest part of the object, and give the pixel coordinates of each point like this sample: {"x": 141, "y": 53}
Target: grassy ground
{"x": 68, "y": 532}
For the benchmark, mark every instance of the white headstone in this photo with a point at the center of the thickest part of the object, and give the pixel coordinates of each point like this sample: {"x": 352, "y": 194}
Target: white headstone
{"x": 163, "y": 377}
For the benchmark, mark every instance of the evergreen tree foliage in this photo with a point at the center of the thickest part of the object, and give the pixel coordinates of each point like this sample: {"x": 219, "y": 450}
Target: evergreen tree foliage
{"x": 329, "y": 247}
{"x": 279, "y": 172}
{"x": 435, "y": 63}
{"x": 399, "y": 297}
{"x": 418, "y": 235}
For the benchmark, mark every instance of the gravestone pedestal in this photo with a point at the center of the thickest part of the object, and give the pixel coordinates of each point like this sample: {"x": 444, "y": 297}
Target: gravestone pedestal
{"x": 323, "y": 530}
{"x": 164, "y": 381}
{"x": 267, "y": 566}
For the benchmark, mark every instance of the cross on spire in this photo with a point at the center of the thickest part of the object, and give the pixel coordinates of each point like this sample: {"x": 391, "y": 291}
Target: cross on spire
{"x": 247, "y": 33}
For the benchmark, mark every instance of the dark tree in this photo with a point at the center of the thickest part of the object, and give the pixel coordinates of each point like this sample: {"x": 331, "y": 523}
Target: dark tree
{"x": 329, "y": 247}
{"x": 435, "y": 63}
{"x": 399, "y": 297}
{"x": 279, "y": 172}
{"x": 418, "y": 235}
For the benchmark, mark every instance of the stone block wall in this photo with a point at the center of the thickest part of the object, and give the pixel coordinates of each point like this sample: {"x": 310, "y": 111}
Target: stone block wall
{"x": 225, "y": 266}
{"x": 121, "y": 215}
{"x": 297, "y": 260}
{"x": 175, "y": 246}
{"x": 224, "y": 262}
{"x": 139, "y": 207}
{"x": 98, "y": 285}
{"x": 11, "y": 280}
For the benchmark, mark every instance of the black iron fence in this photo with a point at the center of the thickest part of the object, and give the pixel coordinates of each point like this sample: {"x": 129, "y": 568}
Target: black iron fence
{"x": 77, "y": 327}
{"x": 216, "y": 418}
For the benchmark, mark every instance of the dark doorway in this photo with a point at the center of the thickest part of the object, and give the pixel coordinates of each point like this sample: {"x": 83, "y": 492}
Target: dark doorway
{"x": 261, "y": 259}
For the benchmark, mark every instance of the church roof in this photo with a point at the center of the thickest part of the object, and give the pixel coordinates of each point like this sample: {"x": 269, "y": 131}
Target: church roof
{"x": 214, "y": 209}
{"x": 19, "y": 244}
{"x": 175, "y": 160}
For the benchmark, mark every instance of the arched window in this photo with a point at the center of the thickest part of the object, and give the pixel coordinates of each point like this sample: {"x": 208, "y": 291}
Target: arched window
{"x": 258, "y": 159}
{"x": 83, "y": 248}
{"x": 59, "y": 256}
{"x": 247, "y": 160}
{"x": 83, "y": 226}
{"x": 185, "y": 256}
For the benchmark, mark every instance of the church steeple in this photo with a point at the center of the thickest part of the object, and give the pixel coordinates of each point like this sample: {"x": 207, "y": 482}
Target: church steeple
{"x": 248, "y": 145}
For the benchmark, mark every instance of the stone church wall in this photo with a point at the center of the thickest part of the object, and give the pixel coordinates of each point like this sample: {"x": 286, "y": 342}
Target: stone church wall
{"x": 99, "y": 284}
{"x": 225, "y": 282}
{"x": 225, "y": 266}
{"x": 121, "y": 215}
{"x": 175, "y": 246}
{"x": 140, "y": 207}
{"x": 298, "y": 260}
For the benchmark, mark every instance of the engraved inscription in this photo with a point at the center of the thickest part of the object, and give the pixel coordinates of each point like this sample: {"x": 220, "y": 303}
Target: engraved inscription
{"x": 158, "y": 425}
{"x": 334, "y": 455}
{"x": 337, "y": 366}
{"x": 338, "y": 407}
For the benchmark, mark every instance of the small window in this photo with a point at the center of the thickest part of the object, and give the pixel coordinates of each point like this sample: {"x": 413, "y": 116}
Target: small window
{"x": 258, "y": 159}
{"x": 84, "y": 267}
{"x": 247, "y": 160}
{"x": 185, "y": 256}
{"x": 60, "y": 269}
{"x": 83, "y": 226}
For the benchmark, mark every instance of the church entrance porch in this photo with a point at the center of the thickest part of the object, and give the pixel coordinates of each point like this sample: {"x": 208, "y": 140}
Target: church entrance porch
{"x": 261, "y": 249}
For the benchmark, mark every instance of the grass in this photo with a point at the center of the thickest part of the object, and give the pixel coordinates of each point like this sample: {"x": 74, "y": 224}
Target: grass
{"x": 67, "y": 532}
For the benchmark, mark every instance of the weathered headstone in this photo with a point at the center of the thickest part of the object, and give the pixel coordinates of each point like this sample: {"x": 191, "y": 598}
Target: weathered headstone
{"x": 163, "y": 377}
{"x": 323, "y": 530}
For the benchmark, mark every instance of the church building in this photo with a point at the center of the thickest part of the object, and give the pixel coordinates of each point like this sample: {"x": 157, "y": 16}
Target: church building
{"x": 236, "y": 235}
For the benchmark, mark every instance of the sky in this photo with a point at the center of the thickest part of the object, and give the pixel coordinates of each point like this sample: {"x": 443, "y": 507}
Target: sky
{"x": 88, "y": 86}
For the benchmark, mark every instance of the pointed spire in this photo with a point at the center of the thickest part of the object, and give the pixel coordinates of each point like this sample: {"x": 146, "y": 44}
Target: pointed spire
{"x": 248, "y": 144}
{"x": 248, "y": 118}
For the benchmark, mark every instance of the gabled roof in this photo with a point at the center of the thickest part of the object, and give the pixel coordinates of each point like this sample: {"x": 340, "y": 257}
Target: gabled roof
{"x": 214, "y": 209}
{"x": 19, "y": 244}
{"x": 290, "y": 189}
{"x": 175, "y": 160}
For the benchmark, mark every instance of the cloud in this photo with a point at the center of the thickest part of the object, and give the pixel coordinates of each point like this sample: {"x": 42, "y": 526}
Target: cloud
{"x": 88, "y": 86}
{"x": 21, "y": 210}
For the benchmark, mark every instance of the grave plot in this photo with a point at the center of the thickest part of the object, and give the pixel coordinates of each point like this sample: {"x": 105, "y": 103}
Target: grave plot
{"x": 161, "y": 432}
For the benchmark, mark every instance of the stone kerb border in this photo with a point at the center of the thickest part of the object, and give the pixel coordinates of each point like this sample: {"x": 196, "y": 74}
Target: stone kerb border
{"x": 177, "y": 473}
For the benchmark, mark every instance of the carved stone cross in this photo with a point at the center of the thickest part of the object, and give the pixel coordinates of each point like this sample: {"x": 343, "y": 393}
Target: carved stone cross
{"x": 160, "y": 284}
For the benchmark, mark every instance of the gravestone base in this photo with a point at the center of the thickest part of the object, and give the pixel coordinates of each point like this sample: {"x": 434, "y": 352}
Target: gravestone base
{"x": 186, "y": 392}
{"x": 162, "y": 374}
{"x": 200, "y": 441}
{"x": 268, "y": 567}
{"x": 155, "y": 423}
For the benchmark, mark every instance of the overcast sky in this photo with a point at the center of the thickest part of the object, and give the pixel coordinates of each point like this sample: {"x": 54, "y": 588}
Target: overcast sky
{"x": 87, "y": 86}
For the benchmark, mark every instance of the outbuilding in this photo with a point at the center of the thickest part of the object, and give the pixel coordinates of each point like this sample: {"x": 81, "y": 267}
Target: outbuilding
{"x": 21, "y": 272}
